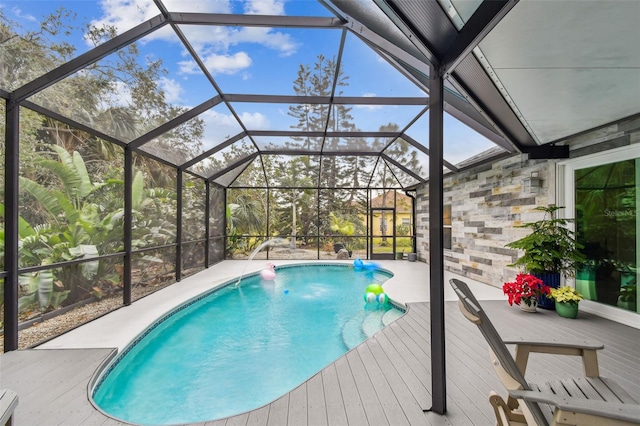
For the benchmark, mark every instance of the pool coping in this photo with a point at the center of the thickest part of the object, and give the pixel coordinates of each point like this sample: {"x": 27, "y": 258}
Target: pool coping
{"x": 107, "y": 367}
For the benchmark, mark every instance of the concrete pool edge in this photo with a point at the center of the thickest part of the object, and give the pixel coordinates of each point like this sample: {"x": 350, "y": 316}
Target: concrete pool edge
{"x": 409, "y": 283}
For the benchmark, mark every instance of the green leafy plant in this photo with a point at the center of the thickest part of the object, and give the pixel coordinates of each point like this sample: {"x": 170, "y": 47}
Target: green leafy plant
{"x": 343, "y": 227}
{"x": 628, "y": 293}
{"x": 565, "y": 294}
{"x": 550, "y": 247}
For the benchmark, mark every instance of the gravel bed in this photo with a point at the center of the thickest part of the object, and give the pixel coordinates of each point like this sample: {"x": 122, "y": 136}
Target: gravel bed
{"x": 41, "y": 331}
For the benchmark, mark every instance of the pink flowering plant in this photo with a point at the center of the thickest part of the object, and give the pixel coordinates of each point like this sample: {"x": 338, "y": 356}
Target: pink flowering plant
{"x": 526, "y": 289}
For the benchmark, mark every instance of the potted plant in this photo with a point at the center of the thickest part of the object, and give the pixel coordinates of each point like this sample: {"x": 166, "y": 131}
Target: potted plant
{"x": 345, "y": 228}
{"x": 549, "y": 250}
{"x": 525, "y": 291}
{"x": 566, "y": 301}
{"x": 627, "y": 298}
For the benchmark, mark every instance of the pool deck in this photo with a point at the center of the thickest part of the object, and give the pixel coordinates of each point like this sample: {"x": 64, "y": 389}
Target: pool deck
{"x": 384, "y": 381}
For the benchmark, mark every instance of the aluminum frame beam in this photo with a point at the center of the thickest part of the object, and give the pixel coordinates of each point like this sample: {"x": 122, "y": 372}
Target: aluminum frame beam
{"x": 380, "y": 43}
{"x": 322, "y": 153}
{"x": 403, "y": 168}
{"x": 232, "y": 166}
{"x": 326, "y": 100}
{"x": 171, "y": 124}
{"x": 424, "y": 149}
{"x": 212, "y": 151}
{"x": 436, "y": 244}
{"x": 483, "y": 20}
{"x": 323, "y": 134}
{"x": 70, "y": 122}
{"x": 254, "y": 20}
{"x": 128, "y": 227}
{"x": 11, "y": 218}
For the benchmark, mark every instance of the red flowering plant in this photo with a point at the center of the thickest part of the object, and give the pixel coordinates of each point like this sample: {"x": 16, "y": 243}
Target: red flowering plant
{"x": 526, "y": 288}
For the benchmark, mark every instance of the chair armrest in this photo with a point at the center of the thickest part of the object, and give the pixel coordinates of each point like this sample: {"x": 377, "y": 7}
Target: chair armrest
{"x": 611, "y": 410}
{"x": 572, "y": 344}
{"x": 8, "y": 402}
{"x": 582, "y": 348}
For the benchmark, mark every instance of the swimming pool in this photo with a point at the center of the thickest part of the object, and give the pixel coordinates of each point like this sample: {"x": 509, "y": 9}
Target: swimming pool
{"x": 238, "y": 348}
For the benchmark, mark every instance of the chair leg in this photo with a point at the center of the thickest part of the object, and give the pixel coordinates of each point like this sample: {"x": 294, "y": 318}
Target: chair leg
{"x": 504, "y": 415}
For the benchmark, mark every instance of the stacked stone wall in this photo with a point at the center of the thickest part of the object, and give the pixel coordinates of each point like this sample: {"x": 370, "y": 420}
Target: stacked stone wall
{"x": 488, "y": 202}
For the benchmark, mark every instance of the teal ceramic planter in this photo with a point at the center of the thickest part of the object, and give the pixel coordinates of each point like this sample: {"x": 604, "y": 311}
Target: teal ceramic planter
{"x": 567, "y": 310}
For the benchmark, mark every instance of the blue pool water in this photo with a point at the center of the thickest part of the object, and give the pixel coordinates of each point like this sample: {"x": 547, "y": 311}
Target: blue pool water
{"x": 239, "y": 348}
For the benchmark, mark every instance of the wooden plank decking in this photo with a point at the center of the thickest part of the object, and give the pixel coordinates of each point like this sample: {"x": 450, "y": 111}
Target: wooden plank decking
{"x": 384, "y": 381}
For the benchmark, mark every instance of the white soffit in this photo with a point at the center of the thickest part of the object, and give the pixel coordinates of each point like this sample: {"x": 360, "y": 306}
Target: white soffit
{"x": 568, "y": 66}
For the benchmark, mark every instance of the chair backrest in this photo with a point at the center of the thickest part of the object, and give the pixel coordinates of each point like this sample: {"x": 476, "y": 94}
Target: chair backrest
{"x": 476, "y": 314}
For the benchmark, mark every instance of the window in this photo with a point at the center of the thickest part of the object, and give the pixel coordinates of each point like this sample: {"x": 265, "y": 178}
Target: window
{"x": 406, "y": 221}
{"x": 446, "y": 231}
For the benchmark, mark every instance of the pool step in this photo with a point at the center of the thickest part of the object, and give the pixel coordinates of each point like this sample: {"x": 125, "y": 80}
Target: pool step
{"x": 372, "y": 323}
{"x": 352, "y": 334}
{"x": 391, "y": 315}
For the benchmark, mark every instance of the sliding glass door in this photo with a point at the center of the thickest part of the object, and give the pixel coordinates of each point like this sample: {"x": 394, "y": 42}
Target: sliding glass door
{"x": 606, "y": 205}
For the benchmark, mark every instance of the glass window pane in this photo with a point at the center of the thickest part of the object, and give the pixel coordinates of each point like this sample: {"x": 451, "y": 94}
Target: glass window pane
{"x": 346, "y": 171}
{"x": 606, "y": 200}
{"x": 446, "y": 215}
{"x": 217, "y": 211}
{"x": 260, "y": 60}
{"x": 291, "y": 170}
{"x": 284, "y": 117}
{"x": 224, "y": 158}
{"x": 152, "y": 270}
{"x": 366, "y": 69}
{"x": 71, "y": 192}
{"x": 305, "y": 8}
{"x": 132, "y": 91}
{"x": 283, "y": 143}
{"x": 372, "y": 118}
{"x": 383, "y": 177}
{"x": 216, "y": 250}
{"x": 403, "y": 177}
{"x": 360, "y": 144}
{"x": 193, "y": 202}
{"x": 293, "y": 212}
{"x": 95, "y": 286}
{"x": 192, "y": 258}
{"x": 2, "y": 151}
{"x": 251, "y": 176}
{"x": 195, "y": 136}
{"x": 154, "y": 206}
{"x": 40, "y": 36}
{"x": 247, "y": 212}
{"x": 230, "y": 177}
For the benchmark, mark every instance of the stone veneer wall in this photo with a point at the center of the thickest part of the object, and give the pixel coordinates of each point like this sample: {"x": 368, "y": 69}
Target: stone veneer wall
{"x": 488, "y": 201}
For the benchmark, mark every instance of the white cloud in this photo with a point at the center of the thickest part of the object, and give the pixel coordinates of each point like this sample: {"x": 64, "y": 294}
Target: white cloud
{"x": 219, "y": 127}
{"x": 369, "y": 107}
{"x": 264, "y": 7}
{"x": 172, "y": 90}
{"x": 267, "y": 37}
{"x": 119, "y": 97}
{"x": 126, "y": 14}
{"x": 211, "y": 42}
{"x": 255, "y": 121}
{"x": 218, "y": 64}
{"x": 18, "y": 12}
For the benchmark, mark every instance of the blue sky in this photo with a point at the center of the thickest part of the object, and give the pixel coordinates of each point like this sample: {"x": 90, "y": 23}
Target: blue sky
{"x": 254, "y": 60}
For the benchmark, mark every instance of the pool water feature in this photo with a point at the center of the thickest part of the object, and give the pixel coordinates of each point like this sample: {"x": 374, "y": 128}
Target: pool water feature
{"x": 240, "y": 347}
